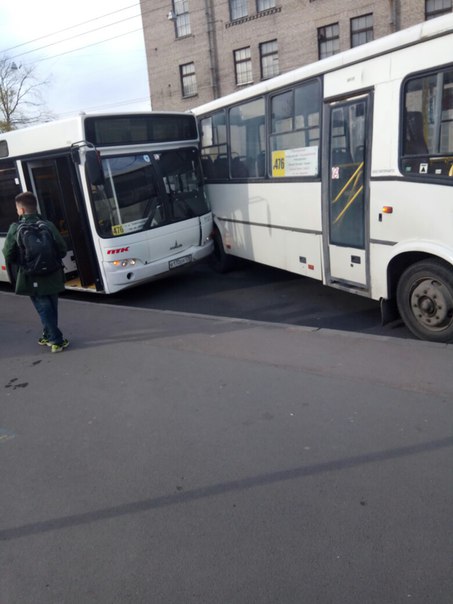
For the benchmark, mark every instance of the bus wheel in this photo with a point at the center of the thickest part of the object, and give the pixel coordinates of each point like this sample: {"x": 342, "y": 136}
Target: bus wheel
{"x": 425, "y": 300}
{"x": 220, "y": 261}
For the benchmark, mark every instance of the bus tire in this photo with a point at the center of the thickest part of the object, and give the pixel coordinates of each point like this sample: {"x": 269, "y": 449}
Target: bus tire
{"x": 425, "y": 300}
{"x": 220, "y": 261}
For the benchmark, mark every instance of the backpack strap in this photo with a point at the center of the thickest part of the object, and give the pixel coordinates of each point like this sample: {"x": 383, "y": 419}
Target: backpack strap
{"x": 19, "y": 242}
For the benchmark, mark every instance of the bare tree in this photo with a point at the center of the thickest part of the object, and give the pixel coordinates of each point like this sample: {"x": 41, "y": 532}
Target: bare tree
{"x": 21, "y": 101}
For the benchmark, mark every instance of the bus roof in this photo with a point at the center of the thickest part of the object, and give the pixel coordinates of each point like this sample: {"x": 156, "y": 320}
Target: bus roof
{"x": 59, "y": 134}
{"x": 426, "y": 30}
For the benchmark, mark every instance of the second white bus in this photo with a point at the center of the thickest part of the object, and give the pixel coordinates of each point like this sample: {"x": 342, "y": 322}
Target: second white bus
{"x": 125, "y": 190}
{"x": 343, "y": 171}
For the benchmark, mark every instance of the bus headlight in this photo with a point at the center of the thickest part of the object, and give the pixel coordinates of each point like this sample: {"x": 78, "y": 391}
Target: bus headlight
{"x": 125, "y": 262}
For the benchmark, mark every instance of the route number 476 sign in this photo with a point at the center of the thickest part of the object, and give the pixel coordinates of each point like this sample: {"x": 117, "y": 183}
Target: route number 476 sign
{"x": 295, "y": 162}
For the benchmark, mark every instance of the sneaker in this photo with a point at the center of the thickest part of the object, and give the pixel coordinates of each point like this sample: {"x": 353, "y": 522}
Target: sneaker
{"x": 59, "y": 347}
{"x": 43, "y": 341}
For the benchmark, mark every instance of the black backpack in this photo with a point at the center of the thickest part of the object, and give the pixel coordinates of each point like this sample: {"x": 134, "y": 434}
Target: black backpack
{"x": 38, "y": 252}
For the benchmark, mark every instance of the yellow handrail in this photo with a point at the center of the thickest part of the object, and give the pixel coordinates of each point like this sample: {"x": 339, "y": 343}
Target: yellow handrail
{"x": 356, "y": 174}
{"x": 340, "y": 215}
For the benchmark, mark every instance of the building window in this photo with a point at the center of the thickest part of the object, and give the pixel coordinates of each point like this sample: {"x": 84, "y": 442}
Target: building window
{"x": 361, "y": 30}
{"x": 182, "y": 22}
{"x": 238, "y": 9}
{"x": 269, "y": 59}
{"x": 264, "y": 5}
{"x": 188, "y": 80}
{"x": 435, "y": 8}
{"x": 243, "y": 66}
{"x": 328, "y": 40}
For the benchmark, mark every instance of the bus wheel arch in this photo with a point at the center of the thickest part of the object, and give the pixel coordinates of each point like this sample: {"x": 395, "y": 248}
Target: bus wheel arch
{"x": 424, "y": 295}
{"x": 220, "y": 261}
{"x": 397, "y": 265}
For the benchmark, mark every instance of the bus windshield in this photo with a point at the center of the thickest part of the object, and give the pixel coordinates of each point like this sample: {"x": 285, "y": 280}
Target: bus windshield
{"x": 146, "y": 190}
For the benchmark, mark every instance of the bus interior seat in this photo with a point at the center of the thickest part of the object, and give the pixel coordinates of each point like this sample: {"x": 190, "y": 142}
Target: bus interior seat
{"x": 207, "y": 167}
{"x": 238, "y": 168}
{"x": 261, "y": 164}
{"x": 221, "y": 167}
{"x": 415, "y": 137}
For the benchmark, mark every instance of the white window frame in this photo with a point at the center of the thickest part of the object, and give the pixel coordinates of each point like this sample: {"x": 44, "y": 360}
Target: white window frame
{"x": 238, "y": 9}
{"x": 269, "y": 59}
{"x": 262, "y": 5}
{"x": 243, "y": 66}
{"x": 182, "y": 18}
{"x": 188, "y": 75}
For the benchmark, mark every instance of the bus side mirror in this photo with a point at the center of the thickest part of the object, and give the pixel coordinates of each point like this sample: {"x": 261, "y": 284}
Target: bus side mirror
{"x": 93, "y": 167}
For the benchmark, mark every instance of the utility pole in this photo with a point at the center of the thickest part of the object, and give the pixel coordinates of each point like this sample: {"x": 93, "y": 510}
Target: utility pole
{"x": 395, "y": 14}
{"x": 212, "y": 45}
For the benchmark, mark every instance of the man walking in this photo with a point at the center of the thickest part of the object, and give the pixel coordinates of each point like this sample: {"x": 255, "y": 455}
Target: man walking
{"x": 40, "y": 279}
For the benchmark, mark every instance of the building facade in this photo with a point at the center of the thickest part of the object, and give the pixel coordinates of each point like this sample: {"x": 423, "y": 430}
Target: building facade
{"x": 199, "y": 50}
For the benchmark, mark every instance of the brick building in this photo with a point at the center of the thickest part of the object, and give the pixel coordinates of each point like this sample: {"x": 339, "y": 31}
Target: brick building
{"x": 198, "y": 50}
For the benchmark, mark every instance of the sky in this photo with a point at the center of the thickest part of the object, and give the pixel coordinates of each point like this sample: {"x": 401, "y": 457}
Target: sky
{"x": 91, "y": 51}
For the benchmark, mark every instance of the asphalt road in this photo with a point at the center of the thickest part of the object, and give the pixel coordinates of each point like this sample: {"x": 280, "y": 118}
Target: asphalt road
{"x": 261, "y": 293}
{"x": 170, "y": 458}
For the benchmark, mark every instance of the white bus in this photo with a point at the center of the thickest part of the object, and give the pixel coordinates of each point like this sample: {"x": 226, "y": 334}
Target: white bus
{"x": 343, "y": 171}
{"x": 125, "y": 190}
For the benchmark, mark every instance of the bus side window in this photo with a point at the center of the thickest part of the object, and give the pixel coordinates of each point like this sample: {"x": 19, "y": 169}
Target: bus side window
{"x": 239, "y": 168}
{"x": 261, "y": 164}
{"x": 295, "y": 122}
{"x": 214, "y": 147}
{"x": 246, "y": 128}
{"x": 427, "y": 125}
{"x": 206, "y": 165}
{"x": 415, "y": 139}
{"x": 221, "y": 166}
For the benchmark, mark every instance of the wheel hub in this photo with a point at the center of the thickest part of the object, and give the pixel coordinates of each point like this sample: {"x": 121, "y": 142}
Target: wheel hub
{"x": 432, "y": 304}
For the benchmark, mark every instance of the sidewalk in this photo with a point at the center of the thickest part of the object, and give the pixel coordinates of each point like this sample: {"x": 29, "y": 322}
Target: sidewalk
{"x": 104, "y": 336}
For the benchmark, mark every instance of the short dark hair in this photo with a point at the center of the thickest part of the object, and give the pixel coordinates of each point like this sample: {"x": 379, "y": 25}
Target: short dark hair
{"x": 27, "y": 200}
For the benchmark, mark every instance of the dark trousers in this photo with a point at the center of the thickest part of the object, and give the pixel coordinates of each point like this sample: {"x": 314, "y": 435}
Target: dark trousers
{"x": 47, "y": 308}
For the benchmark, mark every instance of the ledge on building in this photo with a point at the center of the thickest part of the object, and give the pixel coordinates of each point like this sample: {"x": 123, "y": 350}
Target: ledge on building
{"x": 264, "y": 13}
{"x": 178, "y": 38}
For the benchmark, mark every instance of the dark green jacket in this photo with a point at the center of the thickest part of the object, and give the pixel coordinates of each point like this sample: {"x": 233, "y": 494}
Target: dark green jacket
{"x": 33, "y": 285}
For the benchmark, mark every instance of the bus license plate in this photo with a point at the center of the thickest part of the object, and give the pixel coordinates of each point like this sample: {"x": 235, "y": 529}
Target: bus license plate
{"x": 180, "y": 261}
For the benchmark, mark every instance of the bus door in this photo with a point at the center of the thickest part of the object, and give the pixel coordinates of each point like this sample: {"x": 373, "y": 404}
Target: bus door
{"x": 346, "y": 192}
{"x": 52, "y": 181}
